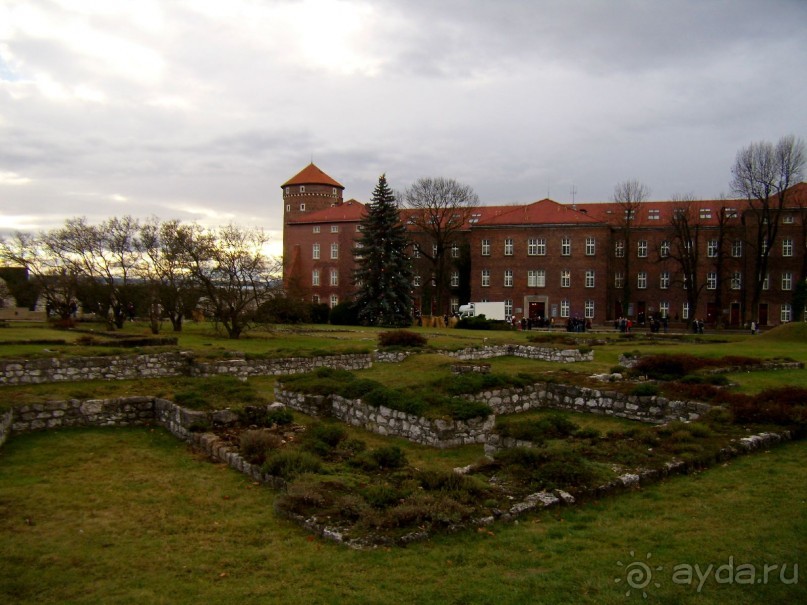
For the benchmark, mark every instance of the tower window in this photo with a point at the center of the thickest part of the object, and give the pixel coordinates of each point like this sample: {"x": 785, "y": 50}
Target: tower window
{"x": 302, "y": 188}
{"x": 302, "y": 207}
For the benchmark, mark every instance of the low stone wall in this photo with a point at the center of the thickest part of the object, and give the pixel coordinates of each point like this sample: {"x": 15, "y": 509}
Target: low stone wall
{"x": 128, "y": 411}
{"x": 440, "y": 433}
{"x": 244, "y": 368}
{"x": 524, "y": 351}
{"x": 582, "y": 399}
{"x": 113, "y": 367}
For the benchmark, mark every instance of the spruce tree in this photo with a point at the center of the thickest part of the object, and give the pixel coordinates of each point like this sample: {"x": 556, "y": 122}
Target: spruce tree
{"x": 383, "y": 274}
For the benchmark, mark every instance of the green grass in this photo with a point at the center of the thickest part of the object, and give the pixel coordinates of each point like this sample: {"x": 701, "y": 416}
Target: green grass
{"x": 125, "y": 516}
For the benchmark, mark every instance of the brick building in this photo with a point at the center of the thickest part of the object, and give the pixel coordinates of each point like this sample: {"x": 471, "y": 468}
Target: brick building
{"x": 555, "y": 261}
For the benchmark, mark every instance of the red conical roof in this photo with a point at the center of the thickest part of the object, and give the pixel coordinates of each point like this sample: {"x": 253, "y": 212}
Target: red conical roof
{"x": 311, "y": 175}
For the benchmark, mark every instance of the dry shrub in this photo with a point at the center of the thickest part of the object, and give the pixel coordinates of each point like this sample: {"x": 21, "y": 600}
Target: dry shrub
{"x": 256, "y": 445}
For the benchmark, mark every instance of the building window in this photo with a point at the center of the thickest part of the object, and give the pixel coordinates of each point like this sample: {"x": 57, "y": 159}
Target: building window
{"x": 589, "y": 278}
{"x": 664, "y": 280}
{"x": 619, "y": 279}
{"x": 288, "y": 190}
{"x": 315, "y": 299}
{"x": 288, "y": 207}
{"x": 787, "y": 247}
{"x": 590, "y": 246}
{"x": 565, "y": 278}
{"x": 302, "y": 207}
{"x": 302, "y": 188}
{"x": 333, "y": 190}
{"x": 316, "y": 229}
{"x": 334, "y": 228}
{"x": 730, "y": 212}
{"x": 787, "y": 281}
{"x": 434, "y": 250}
{"x": 455, "y": 279}
{"x": 654, "y": 214}
{"x": 508, "y": 278}
{"x": 664, "y": 249}
{"x": 641, "y": 248}
{"x": 785, "y": 313}
{"x": 706, "y": 213}
{"x": 619, "y": 248}
{"x": 566, "y": 246}
{"x": 588, "y": 309}
{"x": 736, "y": 280}
{"x": 788, "y": 219}
{"x": 508, "y": 247}
{"x": 334, "y": 251}
{"x": 416, "y": 280}
{"x": 455, "y": 251}
{"x": 485, "y": 247}
{"x": 540, "y": 246}
{"x": 664, "y": 308}
{"x": 455, "y": 304}
{"x": 334, "y": 300}
{"x": 685, "y": 311}
{"x": 764, "y": 247}
{"x": 711, "y": 248}
{"x": 766, "y": 283}
{"x": 315, "y": 251}
{"x": 415, "y": 251}
{"x": 315, "y": 277}
{"x": 564, "y": 308}
{"x": 536, "y": 278}
{"x": 508, "y": 308}
{"x": 485, "y": 278}
{"x": 334, "y": 277}
{"x": 711, "y": 281}
{"x": 737, "y": 248}
{"x": 641, "y": 280}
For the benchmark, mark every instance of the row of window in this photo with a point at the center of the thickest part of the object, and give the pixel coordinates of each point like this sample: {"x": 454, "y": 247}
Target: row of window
{"x": 536, "y": 278}
{"x": 537, "y": 246}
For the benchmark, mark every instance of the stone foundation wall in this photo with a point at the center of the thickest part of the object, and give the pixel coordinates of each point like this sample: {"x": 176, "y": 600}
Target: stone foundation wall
{"x": 113, "y": 367}
{"x": 524, "y": 351}
{"x": 127, "y": 411}
{"x": 582, "y": 399}
{"x": 441, "y": 433}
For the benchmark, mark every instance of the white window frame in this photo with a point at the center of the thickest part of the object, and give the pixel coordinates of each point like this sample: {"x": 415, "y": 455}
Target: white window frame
{"x": 536, "y": 278}
{"x": 591, "y": 246}
{"x": 564, "y": 308}
{"x": 566, "y": 246}
{"x": 315, "y": 277}
{"x": 588, "y": 309}
{"x": 565, "y": 278}
{"x": 315, "y": 251}
{"x": 485, "y": 247}
{"x": 508, "y": 246}
{"x": 508, "y": 278}
{"x": 589, "y": 279}
{"x": 485, "y": 283}
{"x": 711, "y": 280}
{"x": 664, "y": 280}
{"x": 334, "y": 251}
{"x": 641, "y": 248}
{"x": 641, "y": 280}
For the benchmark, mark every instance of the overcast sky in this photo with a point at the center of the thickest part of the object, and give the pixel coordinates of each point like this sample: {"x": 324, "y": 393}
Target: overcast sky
{"x": 201, "y": 109}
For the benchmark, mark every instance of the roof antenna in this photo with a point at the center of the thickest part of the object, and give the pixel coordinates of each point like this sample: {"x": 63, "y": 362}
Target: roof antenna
{"x": 573, "y": 191}
{"x": 547, "y": 188}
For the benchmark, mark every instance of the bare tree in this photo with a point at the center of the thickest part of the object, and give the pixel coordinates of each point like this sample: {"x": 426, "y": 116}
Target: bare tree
{"x": 685, "y": 247}
{"x": 164, "y": 267}
{"x": 629, "y": 196}
{"x": 55, "y": 281}
{"x": 104, "y": 255}
{"x": 762, "y": 173}
{"x": 441, "y": 209}
{"x": 233, "y": 273}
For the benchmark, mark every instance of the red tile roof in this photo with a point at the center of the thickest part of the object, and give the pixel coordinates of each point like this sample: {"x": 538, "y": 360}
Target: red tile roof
{"x": 543, "y": 212}
{"x": 348, "y": 211}
{"x": 312, "y": 175}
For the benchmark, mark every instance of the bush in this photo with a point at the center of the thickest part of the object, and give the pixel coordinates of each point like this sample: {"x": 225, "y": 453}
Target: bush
{"x": 289, "y": 464}
{"x": 783, "y": 406}
{"x": 544, "y": 469}
{"x": 383, "y": 458}
{"x": 644, "y": 390}
{"x": 381, "y": 496}
{"x": 345, "y": 314}
{"x": 462, "y": 409}
{"x": 255, "y": 445}
{"x": 401, "y": 338}
{"x": 395, "y": 400}
{"x": 667, "y": 367}
{"x": 551, "y": 426}
{"x": 474, "y": 323}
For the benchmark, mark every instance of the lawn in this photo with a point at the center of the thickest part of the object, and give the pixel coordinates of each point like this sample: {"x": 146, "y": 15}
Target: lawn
{"x": 132, "y": 516}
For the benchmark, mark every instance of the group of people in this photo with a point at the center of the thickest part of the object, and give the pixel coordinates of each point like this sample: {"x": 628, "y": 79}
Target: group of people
{"x": 528, "y": 323}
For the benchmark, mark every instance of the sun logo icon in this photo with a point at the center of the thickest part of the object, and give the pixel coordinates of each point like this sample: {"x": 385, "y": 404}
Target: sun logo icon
{"x": 638, "y": 575}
